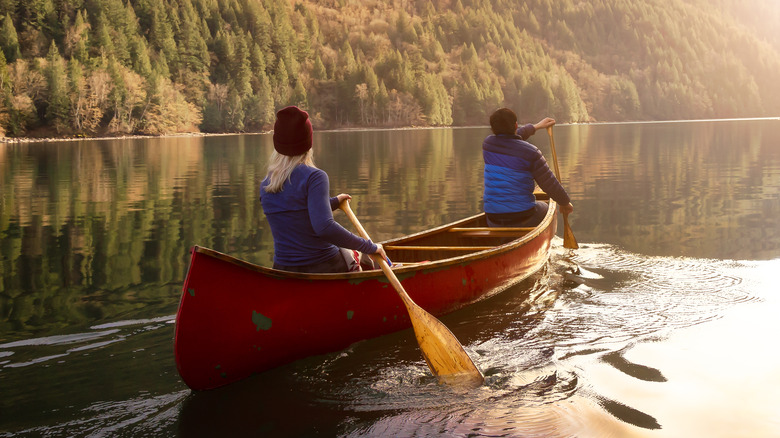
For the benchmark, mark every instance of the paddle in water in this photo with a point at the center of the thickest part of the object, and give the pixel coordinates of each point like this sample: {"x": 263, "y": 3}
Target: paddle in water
{"x": 445, "y": 356}
{"x": 568, "y": 236}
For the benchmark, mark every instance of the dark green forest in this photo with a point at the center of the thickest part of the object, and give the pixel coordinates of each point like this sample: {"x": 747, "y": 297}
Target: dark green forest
{"x": 85, "y": 68}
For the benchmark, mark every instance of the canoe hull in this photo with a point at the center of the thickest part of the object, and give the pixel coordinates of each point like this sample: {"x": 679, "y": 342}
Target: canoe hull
{"x": 236, "y": 319}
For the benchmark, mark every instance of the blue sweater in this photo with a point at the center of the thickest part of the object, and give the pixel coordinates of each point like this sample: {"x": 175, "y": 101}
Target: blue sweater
{"x": 511, "y": 167}
{"x": 301, "y": 219}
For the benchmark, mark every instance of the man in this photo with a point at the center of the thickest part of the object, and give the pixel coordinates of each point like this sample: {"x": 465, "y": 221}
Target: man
{"x": 512, "y": 168}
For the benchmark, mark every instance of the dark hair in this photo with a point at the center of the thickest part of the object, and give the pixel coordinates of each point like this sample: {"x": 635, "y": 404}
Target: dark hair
{"x": 503, "y": 121}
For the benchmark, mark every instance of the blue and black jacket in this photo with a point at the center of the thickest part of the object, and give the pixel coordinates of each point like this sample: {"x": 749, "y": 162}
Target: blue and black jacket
{"x": 511, "y": 167}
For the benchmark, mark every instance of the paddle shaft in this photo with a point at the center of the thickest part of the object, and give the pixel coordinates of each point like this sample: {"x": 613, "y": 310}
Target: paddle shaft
{"x": 382, "y": 262}
{"x": 568, "y": 236}
{"x": 445, "y": 356}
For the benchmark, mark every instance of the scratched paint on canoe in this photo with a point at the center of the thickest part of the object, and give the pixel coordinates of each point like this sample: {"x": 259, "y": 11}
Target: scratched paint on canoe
{"x": 429, "y": 271}
{"x": 261, "y": 321}
{"x": 191, "y": 291}
{"x": 357, "y": 281}
{"x": 350, "y": 313}
{"x": 404, "y": 276}
{"x": 437, "y": 286}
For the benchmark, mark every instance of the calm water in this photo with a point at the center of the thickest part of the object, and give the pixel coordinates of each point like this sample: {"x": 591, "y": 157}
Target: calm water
{"x": 663, "y": 323}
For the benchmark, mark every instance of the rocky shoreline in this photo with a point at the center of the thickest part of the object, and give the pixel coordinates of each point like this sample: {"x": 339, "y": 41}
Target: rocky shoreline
{"x": 11, "y": 140}
{"x": 118, "y": 137}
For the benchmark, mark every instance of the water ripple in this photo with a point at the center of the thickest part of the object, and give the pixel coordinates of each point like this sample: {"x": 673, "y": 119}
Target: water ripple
{"x": 620, "y": 297}
{"x": 34, "y": 351}
{"x": 593, "y": 305}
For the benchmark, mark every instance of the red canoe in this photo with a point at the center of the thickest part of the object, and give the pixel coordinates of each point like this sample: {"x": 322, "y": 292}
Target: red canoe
{"x": 236, "y": 318}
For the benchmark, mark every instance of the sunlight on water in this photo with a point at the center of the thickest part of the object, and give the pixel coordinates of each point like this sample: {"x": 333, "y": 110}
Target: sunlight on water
{"x": 621, "y": 338}
{"x": 725, "y": 372}
{"x": 76, "y": 342}
{"x": 153, "y": 413}
{"x": 577, "y": 353}
{"x": 594, "y": 345}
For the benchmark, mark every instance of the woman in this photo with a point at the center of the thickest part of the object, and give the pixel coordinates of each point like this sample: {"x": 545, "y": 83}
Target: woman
{"x": 295, "y": 198}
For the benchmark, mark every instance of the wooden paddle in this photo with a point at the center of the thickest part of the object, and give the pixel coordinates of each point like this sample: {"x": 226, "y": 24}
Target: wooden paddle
{"x": 445, "y": 356}
{"x": 568, "y": 236}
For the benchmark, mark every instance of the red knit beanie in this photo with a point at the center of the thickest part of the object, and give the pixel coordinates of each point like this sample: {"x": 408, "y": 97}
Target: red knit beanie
{"x": 292, "y": 131}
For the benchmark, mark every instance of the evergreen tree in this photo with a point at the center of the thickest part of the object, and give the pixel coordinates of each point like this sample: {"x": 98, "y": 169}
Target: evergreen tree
{"x": 9, "y": 40}
{"x": 382, "y": 102}
{"x": 139, "y": 55}
{"x": 57, "y": 111}
{"x": 241, "y": 68}
{"x": 223, "y": 52}
{"x": 234, "y": 112}
{"x": 5, "y": 78}
{"x": 6, "y": 98}
{"x": 193, "y": 50}
{"x": 161, "y": 34}
{"x": 299, "y": 97}
{"x": 77, "y": 38}
{"x": 281, "y": 86}
{"x": 40, "y": 14}
{"x": 348, "y": 64}
{"x": 428, "y": 61}
{"x": 263, "y": 108}
{"x": 84, "y": 113}
{"x": 319, "y": 71}
{"x": 160, "y": 65}
{"x": 435, "y": 101}
{"x": 104, "y": 42}
{"x": 8, "y": 7}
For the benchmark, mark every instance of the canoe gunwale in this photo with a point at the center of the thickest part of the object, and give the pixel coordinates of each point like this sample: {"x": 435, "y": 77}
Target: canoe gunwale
{"x": 436, "y": 264}
{"x": 232, "y": 322}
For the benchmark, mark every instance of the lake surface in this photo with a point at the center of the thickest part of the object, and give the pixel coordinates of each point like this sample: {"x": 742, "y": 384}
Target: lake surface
{"x": 663, "y": 323}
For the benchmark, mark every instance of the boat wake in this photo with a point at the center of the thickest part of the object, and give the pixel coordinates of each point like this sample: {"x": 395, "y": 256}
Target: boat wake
{"x": 557, "y": 351}
{"x": 537, "y": 344}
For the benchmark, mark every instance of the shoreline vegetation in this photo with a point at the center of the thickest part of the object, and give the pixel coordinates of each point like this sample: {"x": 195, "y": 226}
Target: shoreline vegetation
{"x": 6, "y": 140}
{"x": 9, "y": 140}
{"x": 114, "y": 68}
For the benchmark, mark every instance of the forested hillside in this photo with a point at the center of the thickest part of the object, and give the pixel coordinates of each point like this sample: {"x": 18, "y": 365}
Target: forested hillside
{"x": 115, "y": 67}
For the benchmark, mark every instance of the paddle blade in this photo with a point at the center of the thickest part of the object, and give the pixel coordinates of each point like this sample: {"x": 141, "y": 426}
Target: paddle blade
{"x": 569, "y": 241}
{"x": 444, "y": 354}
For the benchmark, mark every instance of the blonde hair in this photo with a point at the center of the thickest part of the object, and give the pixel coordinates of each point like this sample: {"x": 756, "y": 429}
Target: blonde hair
{"x": 280, "y": 168}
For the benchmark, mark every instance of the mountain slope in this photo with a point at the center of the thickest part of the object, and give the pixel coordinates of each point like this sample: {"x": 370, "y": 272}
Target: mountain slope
{"x": 97, "y": 67}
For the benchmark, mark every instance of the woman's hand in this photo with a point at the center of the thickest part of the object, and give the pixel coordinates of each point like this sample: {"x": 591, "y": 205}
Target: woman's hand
{"x": 567, "y": 209}
{"x": 380, "y": 252}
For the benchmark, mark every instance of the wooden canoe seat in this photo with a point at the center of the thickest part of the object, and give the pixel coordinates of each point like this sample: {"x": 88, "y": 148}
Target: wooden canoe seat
{"x": 541, "y": 196}
{"x": 492, "y": 231}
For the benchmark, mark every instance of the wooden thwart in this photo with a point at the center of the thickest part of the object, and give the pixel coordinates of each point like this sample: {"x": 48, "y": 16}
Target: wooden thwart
{"x": 517, "y": 229}
{"x": 436, "y": 248}
{"x": 492, "y": 231}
